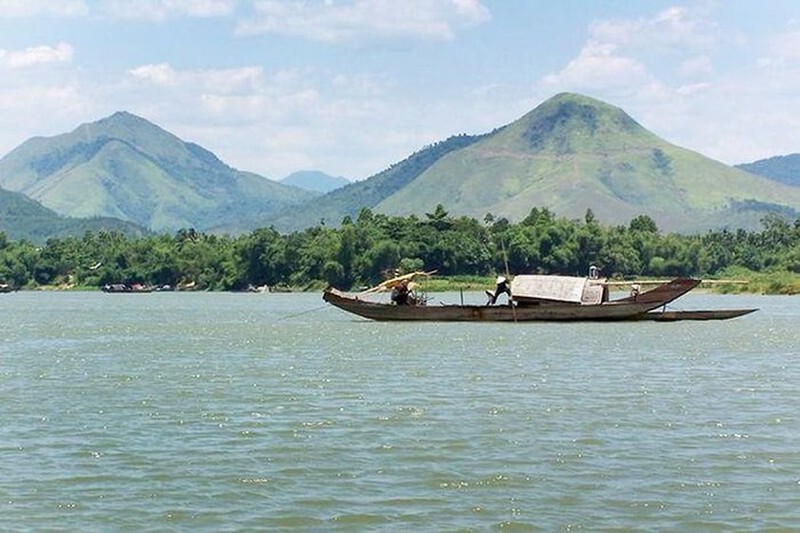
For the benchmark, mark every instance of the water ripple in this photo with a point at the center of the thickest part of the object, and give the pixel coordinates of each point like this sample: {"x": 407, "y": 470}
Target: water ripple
{"x": 223, "y": 412}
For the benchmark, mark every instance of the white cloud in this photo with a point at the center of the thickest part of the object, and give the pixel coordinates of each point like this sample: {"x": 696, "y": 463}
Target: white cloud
{"x": 32, "y": 8}
{"x": 271, "y": 124}
{"x": 784, "y": 47}
{"x": 694, "y": 88}
{"x": 748, "y": 112}
{"x": 599, "y": 66}
{"x": 663, "y": 71}
{"x": 675, "y": 27}
{"x": 364, "y": 84}
{"x": 36, "y": 55}
{"x": 223, "y": 81}
{"x": 696, "y": 66}
{"x": 44, "y": 109}
{"x": 344, "y": 21}
{"x": 42, "y": 96}
{"x": 666, "y": 70}
{"x": 160, "y": 10}
{"x": 150, "y": 10}
{"x": 632, "y": 53}
{"x": 157, "y": 74}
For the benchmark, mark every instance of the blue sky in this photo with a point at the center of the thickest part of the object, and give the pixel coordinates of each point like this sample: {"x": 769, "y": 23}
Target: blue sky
{"x": 350, "y": 87}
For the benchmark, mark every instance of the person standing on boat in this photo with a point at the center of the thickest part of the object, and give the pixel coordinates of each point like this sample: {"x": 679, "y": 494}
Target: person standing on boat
{"x": 502, "y": 287}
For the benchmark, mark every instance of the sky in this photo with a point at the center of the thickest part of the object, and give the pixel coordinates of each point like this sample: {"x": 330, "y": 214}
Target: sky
{"x": 350, "y": 87}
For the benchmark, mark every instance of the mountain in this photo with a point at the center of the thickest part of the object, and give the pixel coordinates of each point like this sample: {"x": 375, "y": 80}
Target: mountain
{"x": 23, "y": 218}
{"x": 350, "y": 199}
{"x": 314, "y": 180}
{"x": 782, "y": 168}
{"x": 569, "y": 154}
{"x": 126, "y": 167}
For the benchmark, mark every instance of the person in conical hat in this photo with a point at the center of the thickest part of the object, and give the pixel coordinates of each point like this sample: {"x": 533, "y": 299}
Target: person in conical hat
{"x": 502, "y": 287}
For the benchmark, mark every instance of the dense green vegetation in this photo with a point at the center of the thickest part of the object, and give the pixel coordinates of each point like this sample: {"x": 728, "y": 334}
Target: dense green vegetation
{"x": 361, "y": 251}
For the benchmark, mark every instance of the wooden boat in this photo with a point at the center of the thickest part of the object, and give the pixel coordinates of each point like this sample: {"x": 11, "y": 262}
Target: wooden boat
{"x": 535, "y": 298}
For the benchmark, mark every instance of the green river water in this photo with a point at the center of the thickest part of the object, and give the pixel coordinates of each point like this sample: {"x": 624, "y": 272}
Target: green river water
{"x": 243, "y": 412}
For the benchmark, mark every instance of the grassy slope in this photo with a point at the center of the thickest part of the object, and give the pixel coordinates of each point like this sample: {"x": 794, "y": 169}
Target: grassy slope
{"x": 126, "y": 167}
{"x": 572, "y": 153}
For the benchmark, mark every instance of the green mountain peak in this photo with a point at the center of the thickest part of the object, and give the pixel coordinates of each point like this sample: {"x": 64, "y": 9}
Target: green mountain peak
{"x": 570, "y": 123}
{"x": 127, "y": 167}
{"x": 569, "y": 154}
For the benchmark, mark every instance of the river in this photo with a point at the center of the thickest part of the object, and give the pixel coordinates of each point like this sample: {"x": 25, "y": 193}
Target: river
{"x": 217, "y": 411}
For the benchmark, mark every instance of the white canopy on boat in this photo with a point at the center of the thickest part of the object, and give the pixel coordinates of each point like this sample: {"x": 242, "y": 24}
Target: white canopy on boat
{"x": 557, "y": 289}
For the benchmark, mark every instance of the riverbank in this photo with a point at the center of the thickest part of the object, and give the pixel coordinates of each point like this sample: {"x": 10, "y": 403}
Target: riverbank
{"x": 776, "y": 283}
{"x": 738, "y": 282}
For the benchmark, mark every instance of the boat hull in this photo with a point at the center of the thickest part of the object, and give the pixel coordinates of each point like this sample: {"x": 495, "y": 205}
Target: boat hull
{"x": 623, "y": 309}
{"x": 697, "y": 314}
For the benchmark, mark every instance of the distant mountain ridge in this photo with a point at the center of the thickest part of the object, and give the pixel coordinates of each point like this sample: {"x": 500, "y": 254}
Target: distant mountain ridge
{"x": 314, "y": 180}
{"x": 123, "y": 166}
{"x": 349, "y": 200}
{"x": 569, "y": 154}
{"x": 782, "y": 168}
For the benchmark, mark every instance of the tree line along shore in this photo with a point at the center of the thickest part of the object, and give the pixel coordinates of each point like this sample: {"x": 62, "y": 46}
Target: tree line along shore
{"x": 466, "y": 253}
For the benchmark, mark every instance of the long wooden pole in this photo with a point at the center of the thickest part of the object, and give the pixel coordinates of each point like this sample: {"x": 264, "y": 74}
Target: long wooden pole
{"x": 508, "y": 278}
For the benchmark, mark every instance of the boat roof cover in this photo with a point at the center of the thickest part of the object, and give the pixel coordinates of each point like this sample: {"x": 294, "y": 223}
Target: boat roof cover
{"x": 557, "y": 288}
